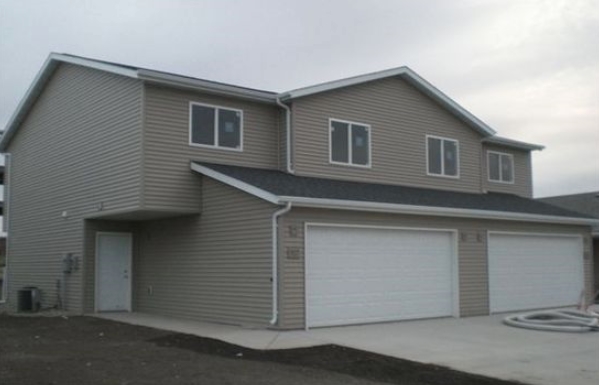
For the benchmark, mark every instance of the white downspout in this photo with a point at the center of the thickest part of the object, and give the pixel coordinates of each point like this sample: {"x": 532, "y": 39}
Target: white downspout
{"x": 275, "y": 267}
{"x": 289, "y": 168}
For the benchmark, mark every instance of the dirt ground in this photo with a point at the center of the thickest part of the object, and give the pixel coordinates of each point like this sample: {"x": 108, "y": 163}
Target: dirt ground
{"x": 91, "y": 351}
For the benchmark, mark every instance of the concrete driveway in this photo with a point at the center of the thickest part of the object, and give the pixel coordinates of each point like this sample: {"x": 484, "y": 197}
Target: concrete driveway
{"x": 481, "y": 345}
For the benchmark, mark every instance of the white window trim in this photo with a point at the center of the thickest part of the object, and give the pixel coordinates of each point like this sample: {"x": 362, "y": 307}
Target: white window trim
{"x": 216, "y": 109}
{"x": 349, "y": 144}
{"x": 500, "y": 180}
{"x": 443, "y": 175}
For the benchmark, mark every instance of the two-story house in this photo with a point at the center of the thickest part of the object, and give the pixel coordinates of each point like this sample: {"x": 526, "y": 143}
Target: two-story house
{"x": 367, "y": 199}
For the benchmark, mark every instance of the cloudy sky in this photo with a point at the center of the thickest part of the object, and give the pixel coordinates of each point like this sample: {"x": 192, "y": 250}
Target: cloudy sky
{"x": 530, "y": 69}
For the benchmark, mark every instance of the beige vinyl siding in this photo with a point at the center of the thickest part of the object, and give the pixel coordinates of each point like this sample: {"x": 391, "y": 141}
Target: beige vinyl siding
{"x": 400, "y": 118}
{"x": 472, "y": 253}
{"x": 595, "y": 261}
{"x": 522, "y": 172}
{"x": 215, "y": 266}
{"x": 169, "y": 184}
{"x": 282, "y": 135}
{"x": 78, "y": 148}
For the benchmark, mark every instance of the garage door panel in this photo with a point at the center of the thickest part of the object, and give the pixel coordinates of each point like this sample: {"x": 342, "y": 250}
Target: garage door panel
{"x": 534, "y": 271}
{"x": 358, "y": 275}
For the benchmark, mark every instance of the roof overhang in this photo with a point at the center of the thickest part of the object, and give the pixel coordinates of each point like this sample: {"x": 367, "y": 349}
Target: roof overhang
{"x": 408, "y": 75}
{"x": 513, "y": 143}
{"x": 155, "y": 77}
{"x": 39, "y": 82}
{"x": 221, "y": 89}
{"x": 340, "y": 204}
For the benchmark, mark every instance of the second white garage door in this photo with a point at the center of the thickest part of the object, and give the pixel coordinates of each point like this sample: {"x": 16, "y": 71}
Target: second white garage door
{"x": 360, "y": 274}
{"x": 528, "y": 271}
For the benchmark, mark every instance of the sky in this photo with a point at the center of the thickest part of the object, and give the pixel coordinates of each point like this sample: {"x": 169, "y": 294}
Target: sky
{"x": 528, "y": 68}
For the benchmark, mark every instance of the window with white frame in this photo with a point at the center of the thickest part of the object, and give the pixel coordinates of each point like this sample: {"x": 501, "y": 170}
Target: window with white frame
{"x": 215, "y": 126}
{"x": 349, "y": 143}
{"x": 500, "y": 167}
{"x": 443, "y": 156}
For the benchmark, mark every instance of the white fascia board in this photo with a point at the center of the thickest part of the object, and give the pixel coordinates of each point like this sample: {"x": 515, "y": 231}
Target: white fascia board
{"x": 206, "y": 86}
{"x": 432, "y": 211}
{"x": 328, "y": 86}
{"x": 89, "y": 63}
{"x": 233, "y": 182}
{"x": 36, "y": 87}
{"x": 407, "y": 74}
{"x": 513, "y": 143}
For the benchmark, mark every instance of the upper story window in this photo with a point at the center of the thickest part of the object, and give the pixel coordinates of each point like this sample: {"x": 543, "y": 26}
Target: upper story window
{"x": 214, "y": 126}
{"x": 500, "y": 167}
{"x": 349, "y": 143}
{"x": 443, "y": 157}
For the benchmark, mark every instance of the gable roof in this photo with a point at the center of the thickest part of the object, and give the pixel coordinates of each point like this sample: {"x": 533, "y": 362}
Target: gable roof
{"x": 151, "y": 76}
{"x": 584, "y": 203}
{"x": 409, "y": 76}
{"x": 278, "y": 187}
{"x": 179, "y": 81}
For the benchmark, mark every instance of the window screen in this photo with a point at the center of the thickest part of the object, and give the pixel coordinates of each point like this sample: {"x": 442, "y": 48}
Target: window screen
{"x": 360, "y": 144}
{"x": 229, "y": 128}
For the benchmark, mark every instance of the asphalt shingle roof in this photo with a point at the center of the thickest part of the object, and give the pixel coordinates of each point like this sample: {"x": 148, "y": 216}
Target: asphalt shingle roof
{"x": 284, "y": 184}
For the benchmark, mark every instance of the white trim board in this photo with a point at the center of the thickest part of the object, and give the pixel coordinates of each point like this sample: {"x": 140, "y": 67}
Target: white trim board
{"x": 431, "y": 210}
{"x": 230, "y": 181}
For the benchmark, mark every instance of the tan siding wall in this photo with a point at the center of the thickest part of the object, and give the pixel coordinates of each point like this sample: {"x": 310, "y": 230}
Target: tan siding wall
{"x": 595, "y": 261}
{"x": 78, "y": 148}
{"x": 169, "y": 183}
{"x": 472, "y": 250}
{"x": 282, "y": 134}
{"x": 215, "y": 266}
{"x": 400, "y": 118}
{"x": 522, "y": 172}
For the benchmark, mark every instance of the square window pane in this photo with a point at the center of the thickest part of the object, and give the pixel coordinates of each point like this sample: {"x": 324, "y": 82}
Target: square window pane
{"x": 450, "y": 157}
{"x": 434, "y": 156}
{"x": 339, "y": 142}
{"x": 202, "y": 125}
{"x": 229, "y": 128}
{"x": 360, "y": 144}
{"x": 507, "y": 173}
{"x": 493, "y": 166}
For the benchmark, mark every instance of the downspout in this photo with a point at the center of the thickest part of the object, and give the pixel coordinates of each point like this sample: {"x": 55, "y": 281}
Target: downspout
{"x": 289, "y": 169}
{"x": 275, "y": 264}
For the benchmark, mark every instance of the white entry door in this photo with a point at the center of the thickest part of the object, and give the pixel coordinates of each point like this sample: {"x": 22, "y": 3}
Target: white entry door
{"x": 359, "y": 275}
{"x": 113, "y": 271}
{"x": 530, "y": 271}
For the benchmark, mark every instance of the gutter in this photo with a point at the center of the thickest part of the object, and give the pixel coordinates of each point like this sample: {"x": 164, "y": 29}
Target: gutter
{"x": 206, "y": 86}
{"x": 275, "y": 265}
{"x": 393, "y": 208}
{"x": 289, "y": 168}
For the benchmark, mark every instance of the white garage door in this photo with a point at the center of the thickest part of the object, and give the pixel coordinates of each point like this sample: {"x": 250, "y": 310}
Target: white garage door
{"x": 534, "y": 271}
{"x": 360, "y": 275}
